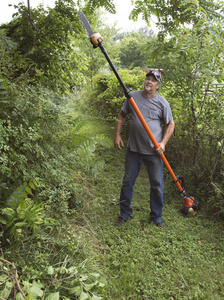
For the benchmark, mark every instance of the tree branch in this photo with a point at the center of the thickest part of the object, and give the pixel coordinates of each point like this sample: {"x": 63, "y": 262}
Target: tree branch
{"x": 30, "y": 17}
{"x": 15, "y": 276}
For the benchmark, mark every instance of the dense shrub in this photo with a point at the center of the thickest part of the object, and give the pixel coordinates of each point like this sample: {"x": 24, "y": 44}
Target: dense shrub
{"x": 108, "y": 96}
{"x": 42, "y": 48}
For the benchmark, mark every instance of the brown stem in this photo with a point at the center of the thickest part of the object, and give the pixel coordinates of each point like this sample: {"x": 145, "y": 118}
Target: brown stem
{"x": 15, "y": 276}
{"x": 30, "y": 17}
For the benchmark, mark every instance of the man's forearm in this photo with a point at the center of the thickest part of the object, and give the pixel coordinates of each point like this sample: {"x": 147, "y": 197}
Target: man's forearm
{"x": 118, "y": 143}
{"x": 119, "y": 123}
{"x": 169, "y": 131}
{"x": 118, "y": 127}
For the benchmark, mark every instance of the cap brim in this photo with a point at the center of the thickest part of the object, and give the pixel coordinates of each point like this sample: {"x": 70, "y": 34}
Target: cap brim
{"x": 150, "y": 73}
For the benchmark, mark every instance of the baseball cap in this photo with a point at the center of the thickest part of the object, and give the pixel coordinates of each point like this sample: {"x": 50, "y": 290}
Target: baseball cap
{"x": 156, "y": 74}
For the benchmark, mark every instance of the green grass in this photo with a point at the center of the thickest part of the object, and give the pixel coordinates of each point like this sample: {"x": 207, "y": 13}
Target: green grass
{"x": 140, "y": 261}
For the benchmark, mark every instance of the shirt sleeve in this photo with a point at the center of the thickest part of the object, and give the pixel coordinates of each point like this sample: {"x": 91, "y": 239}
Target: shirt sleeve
{"x": 125, "y": 106}
{"x": 167, "y": 114}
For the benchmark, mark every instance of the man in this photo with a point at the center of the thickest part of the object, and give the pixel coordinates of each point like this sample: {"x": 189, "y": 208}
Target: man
{"x": 155, "y": 110}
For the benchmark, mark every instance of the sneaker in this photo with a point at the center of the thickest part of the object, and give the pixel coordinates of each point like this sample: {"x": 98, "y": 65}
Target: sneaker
{"x": 121, "y": 221}
{"x": 160, "y": 224}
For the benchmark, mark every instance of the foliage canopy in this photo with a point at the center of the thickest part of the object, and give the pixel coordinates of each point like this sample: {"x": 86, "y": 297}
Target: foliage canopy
{"x": 173, "y": 14}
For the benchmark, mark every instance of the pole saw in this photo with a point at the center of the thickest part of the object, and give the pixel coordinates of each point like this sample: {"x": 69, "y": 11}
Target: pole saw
{"x": 190, "y": 205}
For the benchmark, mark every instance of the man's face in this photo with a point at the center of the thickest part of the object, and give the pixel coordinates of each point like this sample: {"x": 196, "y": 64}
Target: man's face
{"x": 151, "y": 84}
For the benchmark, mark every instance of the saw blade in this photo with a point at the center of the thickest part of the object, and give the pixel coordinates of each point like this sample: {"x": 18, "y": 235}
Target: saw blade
{"x": 85, "y": 23}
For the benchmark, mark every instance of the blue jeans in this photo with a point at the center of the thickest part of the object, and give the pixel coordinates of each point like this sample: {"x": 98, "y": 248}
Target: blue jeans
{"x": 154, "y": 166}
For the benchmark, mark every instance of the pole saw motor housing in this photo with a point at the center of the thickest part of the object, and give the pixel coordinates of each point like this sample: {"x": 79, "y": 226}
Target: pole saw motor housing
{"x": 94, "y": 39}
{"x": 190, "y": 204}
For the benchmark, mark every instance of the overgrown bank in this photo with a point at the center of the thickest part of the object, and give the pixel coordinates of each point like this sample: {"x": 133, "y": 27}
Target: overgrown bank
{"x": 84, "y": 256}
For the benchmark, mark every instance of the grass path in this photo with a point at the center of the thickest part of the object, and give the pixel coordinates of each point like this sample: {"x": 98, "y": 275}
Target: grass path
{"x": 140, "y": 261}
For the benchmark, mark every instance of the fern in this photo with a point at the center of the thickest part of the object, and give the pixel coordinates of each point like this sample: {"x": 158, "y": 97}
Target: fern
{"x": 88, "y": 161}
{"x": 3, "y": 91}
{"x": 21, "y": 216}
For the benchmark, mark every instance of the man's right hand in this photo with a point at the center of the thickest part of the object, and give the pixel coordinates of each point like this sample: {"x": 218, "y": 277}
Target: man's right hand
{"x": 118, "y": 143}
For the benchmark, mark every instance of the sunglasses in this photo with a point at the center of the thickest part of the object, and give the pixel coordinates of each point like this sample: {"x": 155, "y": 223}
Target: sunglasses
{"x": 156, "y": 74}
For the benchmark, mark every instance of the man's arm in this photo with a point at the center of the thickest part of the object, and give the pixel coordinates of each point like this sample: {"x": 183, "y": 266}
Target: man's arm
{"x": 169, "y": 131}
{"x": 118, "y": 143}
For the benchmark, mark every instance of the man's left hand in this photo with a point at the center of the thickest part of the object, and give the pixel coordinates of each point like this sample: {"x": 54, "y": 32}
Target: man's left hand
{"x": 161, "y": 148}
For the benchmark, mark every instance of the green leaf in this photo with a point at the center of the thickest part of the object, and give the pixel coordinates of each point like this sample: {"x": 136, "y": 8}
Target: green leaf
{"x": 89, "y": 286}
{"x": 76, "y": 290}
{"x": 32, "y": 185}
{"x": 19, "y": 296}
{"x": 35, "y": 182}
{"x": 3, "y": 221}
{"x": 96, "y": 275}
{"x": 20, "y": 224}
{"x": 17, "y": 197}
{"x": 6, "y": 290}
{"x": 3, "y": 278}
{"x": 22, "y": 192}
{"x": 102, "y": 281}
{"x": 83, "y": 296}
{"x": 8, "y": 211}
{"x": 72, "y": 269}
{"x": 29, "y": 297}
{"x": 50, "y": 270}
{"x": 53, "y": 296}
{"x": 3, "y": 92}
{"x": 36, "y": 290}
{"x": 83, "y": 277}
{"x": 29, "y": 191}
{"x": 94, "y": 297}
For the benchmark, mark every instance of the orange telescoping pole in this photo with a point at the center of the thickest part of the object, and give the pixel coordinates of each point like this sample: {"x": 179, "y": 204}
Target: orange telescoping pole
{"x": 134, "y": 105}
{"x": 155, "y": 143}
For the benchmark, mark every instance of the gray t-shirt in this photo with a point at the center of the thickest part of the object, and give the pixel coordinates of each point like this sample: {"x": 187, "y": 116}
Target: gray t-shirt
{"x": 156, "y": 111}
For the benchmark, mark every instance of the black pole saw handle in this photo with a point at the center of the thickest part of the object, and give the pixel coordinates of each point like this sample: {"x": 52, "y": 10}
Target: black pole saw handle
{"x": 126, "y": 92}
